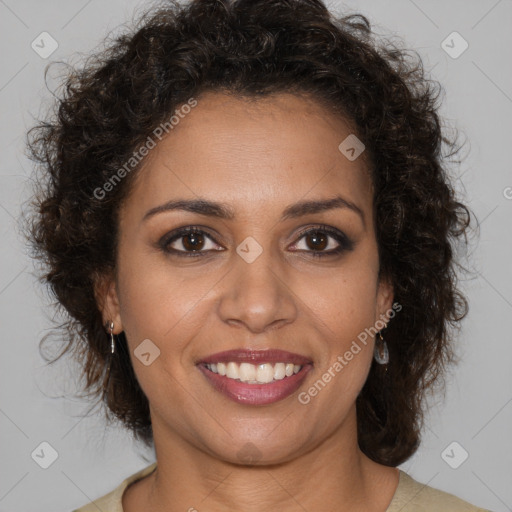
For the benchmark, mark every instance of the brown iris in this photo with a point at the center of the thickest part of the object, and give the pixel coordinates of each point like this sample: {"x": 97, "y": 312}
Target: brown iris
{"x": 193, "y": 241}
{"x": 319, "y": 240}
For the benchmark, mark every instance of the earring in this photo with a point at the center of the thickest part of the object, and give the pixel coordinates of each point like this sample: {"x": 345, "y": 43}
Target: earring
{"x": 106, "y": 381}
{"x": 381, "y": 353}
{"x": 110, "y": 325}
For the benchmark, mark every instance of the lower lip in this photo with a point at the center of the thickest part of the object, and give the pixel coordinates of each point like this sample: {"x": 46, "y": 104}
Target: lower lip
{"x": 256, "y": 394}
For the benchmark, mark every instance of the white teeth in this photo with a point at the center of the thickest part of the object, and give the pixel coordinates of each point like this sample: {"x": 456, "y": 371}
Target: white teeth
{"x": 247, "y": 372}
{"x": 255, "y": 374}
{"x": 265, "y": 373}
{"x": 232, "y": 371}
{"x": 221, "y": 368}
{"x": 279, "y": 371}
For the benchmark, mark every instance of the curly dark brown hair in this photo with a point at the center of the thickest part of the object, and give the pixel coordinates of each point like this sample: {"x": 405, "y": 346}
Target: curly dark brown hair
{"x": 254, "y": 48}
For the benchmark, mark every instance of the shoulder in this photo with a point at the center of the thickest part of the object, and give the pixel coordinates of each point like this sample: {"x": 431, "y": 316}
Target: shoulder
{"x": 112, "y": 502}
{"x": 413, "y": 496}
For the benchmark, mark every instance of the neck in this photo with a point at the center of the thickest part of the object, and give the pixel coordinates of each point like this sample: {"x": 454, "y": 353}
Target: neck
{"x": 333, "y": 476}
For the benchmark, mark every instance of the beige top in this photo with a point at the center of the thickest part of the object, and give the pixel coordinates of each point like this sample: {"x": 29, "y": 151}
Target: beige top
{"x": 410, "y": 496}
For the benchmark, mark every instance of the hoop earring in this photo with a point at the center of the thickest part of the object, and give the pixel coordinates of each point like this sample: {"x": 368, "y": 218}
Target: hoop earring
{"x": 381, "y": 352}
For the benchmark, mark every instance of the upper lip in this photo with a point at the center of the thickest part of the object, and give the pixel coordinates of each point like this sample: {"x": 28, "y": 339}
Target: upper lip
{"x": 255, "y": 357}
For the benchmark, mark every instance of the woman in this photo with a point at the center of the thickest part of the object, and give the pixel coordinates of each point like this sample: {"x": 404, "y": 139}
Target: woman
{"x": 248, "y": 219}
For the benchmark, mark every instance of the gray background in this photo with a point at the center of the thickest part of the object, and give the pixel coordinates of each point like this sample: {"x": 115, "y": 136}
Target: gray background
{"x": 37, "y": 402}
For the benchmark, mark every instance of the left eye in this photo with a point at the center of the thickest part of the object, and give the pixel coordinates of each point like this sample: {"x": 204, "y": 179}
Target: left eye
{"x": 319, "y": 241}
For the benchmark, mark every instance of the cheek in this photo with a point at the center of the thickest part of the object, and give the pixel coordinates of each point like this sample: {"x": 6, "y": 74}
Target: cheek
{"x": 161, "y": 306}
{"x": 344, "y": 320}
{"x": 346, "y": 301}
{"x": 343, "y": 311}
{"x": 157, "y": 300}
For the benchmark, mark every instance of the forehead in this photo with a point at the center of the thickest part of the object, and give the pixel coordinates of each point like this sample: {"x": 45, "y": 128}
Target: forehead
{"x": 252, "y": 153}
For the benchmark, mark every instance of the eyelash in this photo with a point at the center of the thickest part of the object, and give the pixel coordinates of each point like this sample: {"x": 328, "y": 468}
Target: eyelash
{"x": 345, "y": 244}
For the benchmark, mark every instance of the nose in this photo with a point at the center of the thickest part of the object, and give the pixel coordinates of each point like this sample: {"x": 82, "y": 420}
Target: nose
{"x": 258, "y": 295}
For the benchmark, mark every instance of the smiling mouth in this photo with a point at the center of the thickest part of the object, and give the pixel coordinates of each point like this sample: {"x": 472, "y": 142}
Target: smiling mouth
{"x": 255, "y": 377}
{"x": 263, "y": 373}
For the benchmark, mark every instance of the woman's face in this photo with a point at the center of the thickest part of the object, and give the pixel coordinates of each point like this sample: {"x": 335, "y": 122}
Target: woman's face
{"x": 253, "y": 281}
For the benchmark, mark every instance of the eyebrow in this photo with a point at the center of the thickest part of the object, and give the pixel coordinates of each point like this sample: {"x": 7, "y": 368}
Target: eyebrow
{"x": 223, "y": 211}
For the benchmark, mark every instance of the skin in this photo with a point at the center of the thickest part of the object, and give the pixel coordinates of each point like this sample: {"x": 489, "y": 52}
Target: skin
{"x": 257, "y": 157}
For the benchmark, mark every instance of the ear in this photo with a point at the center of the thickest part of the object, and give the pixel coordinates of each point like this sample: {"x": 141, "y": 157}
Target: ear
{"x": 385, "y": 293}
{"x": 106, "y": 295}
